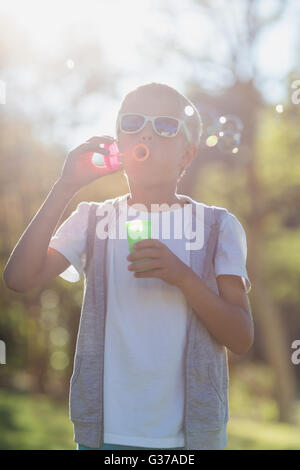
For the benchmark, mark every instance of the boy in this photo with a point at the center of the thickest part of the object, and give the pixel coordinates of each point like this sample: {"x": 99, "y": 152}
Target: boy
{"x": 150, "y": 368}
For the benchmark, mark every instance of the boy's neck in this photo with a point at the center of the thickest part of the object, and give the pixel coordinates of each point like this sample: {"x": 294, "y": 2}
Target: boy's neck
{"x": 149, "y": 198}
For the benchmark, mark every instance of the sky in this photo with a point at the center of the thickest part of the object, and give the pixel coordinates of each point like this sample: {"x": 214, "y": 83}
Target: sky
{"x": 123, "y": 28}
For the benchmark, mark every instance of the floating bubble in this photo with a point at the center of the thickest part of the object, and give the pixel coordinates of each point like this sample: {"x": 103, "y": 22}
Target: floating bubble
{"x": 210, "y": 119}
{"x": 229, "y": 141}
{"x": 211, "y": 141}
{"x": 230, "y": 131}
{"x": 230, "y": 122}
{"x": 188, "y": 110}
{"x": 225, "y": 131}
{"x": 279, "y": 108}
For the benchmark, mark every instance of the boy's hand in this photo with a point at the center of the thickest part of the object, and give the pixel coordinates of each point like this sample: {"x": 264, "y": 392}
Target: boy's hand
{"x": 79, "y": 170}
{"x": 164, "y": 264}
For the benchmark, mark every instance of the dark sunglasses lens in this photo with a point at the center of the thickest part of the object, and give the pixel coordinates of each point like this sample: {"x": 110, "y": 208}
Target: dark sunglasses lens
{"x": 132, "y": 122}
{"x": 166, "y": 126}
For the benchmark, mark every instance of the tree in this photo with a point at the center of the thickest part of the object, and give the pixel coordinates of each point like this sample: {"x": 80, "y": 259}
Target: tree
{"x": 254, "y": 204}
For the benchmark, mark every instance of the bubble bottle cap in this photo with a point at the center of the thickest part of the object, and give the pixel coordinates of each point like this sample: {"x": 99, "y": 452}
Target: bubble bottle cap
{"x": 112, "y": 160}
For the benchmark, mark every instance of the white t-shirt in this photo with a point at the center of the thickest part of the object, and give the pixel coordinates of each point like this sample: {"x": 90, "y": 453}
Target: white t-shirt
{"x": 145, "y": 330}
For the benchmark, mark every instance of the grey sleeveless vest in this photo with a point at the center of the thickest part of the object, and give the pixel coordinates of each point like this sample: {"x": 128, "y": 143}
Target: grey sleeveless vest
{"x": 206, "y": 363}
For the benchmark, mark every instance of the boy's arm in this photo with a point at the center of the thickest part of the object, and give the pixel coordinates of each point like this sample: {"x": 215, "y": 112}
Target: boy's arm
{"x": 23, "y": 270}
{"x": 31, "y": 263}
{"x": 227, "y": 316}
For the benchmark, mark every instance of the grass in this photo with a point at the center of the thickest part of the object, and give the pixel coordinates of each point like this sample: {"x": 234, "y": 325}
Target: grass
{"x": 245, "y": 434}
{"x": 37, "y": 422}
{"x": 33, "y": 422}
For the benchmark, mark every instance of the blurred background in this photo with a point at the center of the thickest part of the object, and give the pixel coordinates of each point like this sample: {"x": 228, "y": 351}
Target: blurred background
{"x": 65, "y": 66}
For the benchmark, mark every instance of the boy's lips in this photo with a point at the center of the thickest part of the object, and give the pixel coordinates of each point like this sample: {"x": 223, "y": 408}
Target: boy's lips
{"x": 140, "y": 151}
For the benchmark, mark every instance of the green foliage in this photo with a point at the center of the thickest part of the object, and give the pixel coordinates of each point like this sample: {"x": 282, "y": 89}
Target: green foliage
{"x": 33, "y": 422}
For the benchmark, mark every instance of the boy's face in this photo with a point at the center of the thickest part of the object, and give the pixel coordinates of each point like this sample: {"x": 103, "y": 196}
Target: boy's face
{"x": 168, "y": 156}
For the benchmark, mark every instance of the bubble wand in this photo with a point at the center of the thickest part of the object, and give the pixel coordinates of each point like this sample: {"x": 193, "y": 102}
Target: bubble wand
{"x": 112, "y": 161}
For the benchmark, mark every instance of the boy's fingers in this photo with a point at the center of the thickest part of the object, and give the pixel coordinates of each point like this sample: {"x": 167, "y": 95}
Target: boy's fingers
{"x": 105, "y": 139}
{"x": 144, "y": 253}
{"x": 90, "y": 148}
{"x": 147, "y": 264}
{"x": 101, "y": 140}
{"x": 149, "y": 242}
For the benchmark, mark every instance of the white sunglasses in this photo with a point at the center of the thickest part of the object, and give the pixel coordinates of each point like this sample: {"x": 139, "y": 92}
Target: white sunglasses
{"x": 164, "y": 126}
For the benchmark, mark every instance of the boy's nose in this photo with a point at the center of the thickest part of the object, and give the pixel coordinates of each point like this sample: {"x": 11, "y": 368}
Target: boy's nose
{"x": 147, "y": 132}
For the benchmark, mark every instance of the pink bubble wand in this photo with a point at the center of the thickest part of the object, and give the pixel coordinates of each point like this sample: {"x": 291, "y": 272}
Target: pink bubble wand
{"x": 112, "y": 160}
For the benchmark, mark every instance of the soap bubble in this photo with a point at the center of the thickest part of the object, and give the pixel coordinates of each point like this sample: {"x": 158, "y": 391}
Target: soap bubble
{"x": 210, "y": 121}
{"x": 228, "y": 141}
{"x": 188, "y": 110}
{"x": 230, "y": 122}
{"x": 223, "y": 131}
{"x": 229, "y": 134}
{"x": 212, "y": 140}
